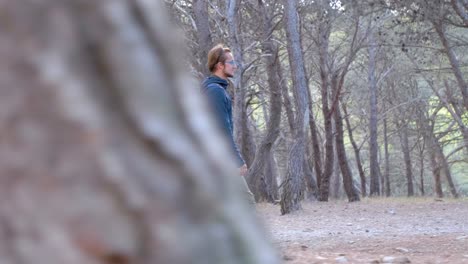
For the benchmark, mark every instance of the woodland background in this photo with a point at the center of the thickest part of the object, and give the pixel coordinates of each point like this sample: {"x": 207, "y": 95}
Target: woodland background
{"x": 108, "y": 155}
{"x": 339, "y": 99}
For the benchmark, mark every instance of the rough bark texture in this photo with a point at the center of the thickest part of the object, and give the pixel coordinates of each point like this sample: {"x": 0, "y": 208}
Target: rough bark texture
{"x": 348, "y": 184}
{"x": 257, "y": 175}
{"x": 292, "y": 190}
{"x": 373, "y": 147}
{"x": 324, "y": 34}
{"x": 314, "y": 135}
{"x": 407, "y": 158}
{"x": 446, "y": 169}
{"x": 288, "y": 107}
{"x": 103, "y": 159}
{"x": 357, "y": 153}
{"x": 205, "y": 42}
{"x": 431, "y": 148}
{"x": 242, "y": 132}
{"x": 387, "y": 160}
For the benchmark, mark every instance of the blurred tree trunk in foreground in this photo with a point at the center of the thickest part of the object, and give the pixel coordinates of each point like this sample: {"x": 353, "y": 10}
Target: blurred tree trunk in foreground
{"x": 107, "y": 155}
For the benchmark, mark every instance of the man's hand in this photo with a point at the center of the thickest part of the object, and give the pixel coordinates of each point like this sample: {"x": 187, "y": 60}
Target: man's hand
{"x": 243, "y": 170}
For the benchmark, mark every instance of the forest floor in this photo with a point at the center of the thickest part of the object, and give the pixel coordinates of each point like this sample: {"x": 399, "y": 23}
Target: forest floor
{"x": 394, "y": 230}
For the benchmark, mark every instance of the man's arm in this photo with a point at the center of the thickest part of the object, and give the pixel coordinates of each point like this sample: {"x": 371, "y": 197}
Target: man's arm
{"x": 218, "y": 101}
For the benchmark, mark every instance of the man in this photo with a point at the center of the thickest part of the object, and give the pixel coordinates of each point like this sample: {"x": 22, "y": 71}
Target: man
{"x": 222, "y": 66}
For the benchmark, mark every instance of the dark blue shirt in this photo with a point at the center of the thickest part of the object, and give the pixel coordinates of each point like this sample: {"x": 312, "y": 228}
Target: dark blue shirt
{"x": 221, "y": 104}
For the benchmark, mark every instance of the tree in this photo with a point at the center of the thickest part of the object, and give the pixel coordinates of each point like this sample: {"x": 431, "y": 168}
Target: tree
{"x": 261, "y": 181}
{"x": 242, "y": 131}
{"x": 292, "y": 190}
{"x": 205, "y": 42}
{"x": 109, "y": 155}
{"x": 373, "y": 144}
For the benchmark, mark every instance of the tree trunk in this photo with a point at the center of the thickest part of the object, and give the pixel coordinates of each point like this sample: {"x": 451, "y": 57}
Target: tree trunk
{"x": 348, "y": 184}
{"x": 257, "y": 175}
{"x": 288, "y": 107}
{"x": 310, "y": 181}
{"x": 436, "y": 174}
{"x": 242, "y": 132}
{"x": 431, "y": 148}
{"x": 446, "y": 169}
{"x": 292, "y": 190}
{"x": 421, "y": 177}
{"x": 101, "y": 162}
{"x": 205, "y": 43}
{"x": 324, "y": 34}
{"x": 317, "y": 156}
{"x": 335, "y": 180}
{"x": 272, "y": 180}
{"x": 407, "y": 157}
{"x": 357, "y": 153}
{"x": 373, "y": 147}
{"x": 387, "y": 161}
{"x": 421, "y": 165}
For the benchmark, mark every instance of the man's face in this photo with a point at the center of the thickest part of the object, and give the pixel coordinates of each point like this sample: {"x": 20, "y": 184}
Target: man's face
{"x": 230, "y": 66}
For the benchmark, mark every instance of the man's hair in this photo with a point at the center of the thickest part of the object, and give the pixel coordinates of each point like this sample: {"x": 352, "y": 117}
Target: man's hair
{"x": 215, "y": 55}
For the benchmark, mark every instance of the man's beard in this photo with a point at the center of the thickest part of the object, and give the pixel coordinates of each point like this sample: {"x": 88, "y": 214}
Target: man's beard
{"x": 229, "y": 75}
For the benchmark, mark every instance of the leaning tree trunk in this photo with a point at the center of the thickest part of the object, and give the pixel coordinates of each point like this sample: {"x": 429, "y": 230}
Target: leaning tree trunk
{"x": 357, "y": 152}
{"x": 259, "y": 180}
{"x": 446, "y": 169}
{"x": 103, "y": 156}
{"x": 293, "y": 186}
{"x": 348, "y": 183}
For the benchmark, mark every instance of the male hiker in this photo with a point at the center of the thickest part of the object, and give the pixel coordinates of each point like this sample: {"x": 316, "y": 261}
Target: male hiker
{"x": 222, "y": 66}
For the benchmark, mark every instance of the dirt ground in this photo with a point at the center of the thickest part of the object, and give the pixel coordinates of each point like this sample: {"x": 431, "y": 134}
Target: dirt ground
{"x": 371, "y": 231}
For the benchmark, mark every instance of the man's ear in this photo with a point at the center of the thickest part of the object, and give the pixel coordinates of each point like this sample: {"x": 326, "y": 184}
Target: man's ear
{"x": 219, "y": 65}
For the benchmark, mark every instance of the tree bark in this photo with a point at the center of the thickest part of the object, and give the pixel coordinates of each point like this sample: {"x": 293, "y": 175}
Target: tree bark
{"x": 373, "y": 147}
{"x": 314, "y": 134}
{"x": 293, "y": 186}
{"x": 324, "y": 34}
{"x": 387, "y": 160}
{"x": 99, "y": 129}
{"x": 446, "y": 169}
{"x": 203, "y": 32}
{"x": 431, "y": 147}
{"x": 242, "y": 132}
{"x": 407, "y": 157}
{"x": 257, "y": 175}
{"x": 348, "y": 184}
{"x": 288, "y": 107}
{"x": 357, "y": 153}
{"x": 335, "y": 179}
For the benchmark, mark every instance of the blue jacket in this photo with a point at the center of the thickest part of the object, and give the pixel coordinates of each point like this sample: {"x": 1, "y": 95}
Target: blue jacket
{"x": 221, "y": 104}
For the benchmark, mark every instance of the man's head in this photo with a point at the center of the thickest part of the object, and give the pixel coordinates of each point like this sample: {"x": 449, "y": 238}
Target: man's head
{"x": 221, "y": 62}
